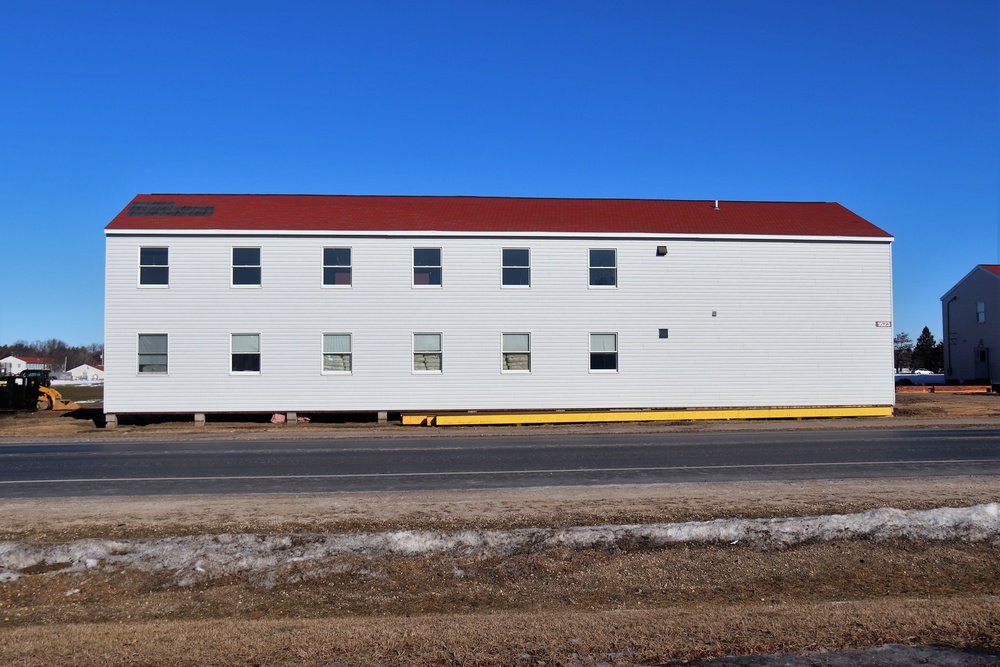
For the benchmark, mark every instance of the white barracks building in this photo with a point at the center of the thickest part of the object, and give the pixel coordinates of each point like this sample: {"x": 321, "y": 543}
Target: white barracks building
{"x": 306, "y": 304}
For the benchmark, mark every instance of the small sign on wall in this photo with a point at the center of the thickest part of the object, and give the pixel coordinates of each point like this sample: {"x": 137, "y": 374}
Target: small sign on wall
{"x": 883, "y": 324}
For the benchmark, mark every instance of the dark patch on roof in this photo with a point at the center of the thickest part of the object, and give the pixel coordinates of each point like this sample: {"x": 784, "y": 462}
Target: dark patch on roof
{"x": 168, "y": 208}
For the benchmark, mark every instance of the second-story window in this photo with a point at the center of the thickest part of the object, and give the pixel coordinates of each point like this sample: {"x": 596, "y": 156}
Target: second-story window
{"x": 980, "y": 311}
{"x": 427, "y": 267}
{"x": 246, "y": 267}
{"x": 603, "y": 267}
{"x": 516, "y": 267}
{"x": 337, "y": 267}
{"x": 153, "y": 266}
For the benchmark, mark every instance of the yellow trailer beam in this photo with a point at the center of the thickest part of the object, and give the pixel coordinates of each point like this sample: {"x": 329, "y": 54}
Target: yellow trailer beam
{"x": 502, "y": 418}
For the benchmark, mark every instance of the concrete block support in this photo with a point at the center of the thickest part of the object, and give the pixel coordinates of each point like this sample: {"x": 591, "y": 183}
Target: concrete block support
{"x": 110, "y": 420}
{"x": 383, "y": 417}
{"x": 199, "y": 419}
{"x": 291, "y": 419}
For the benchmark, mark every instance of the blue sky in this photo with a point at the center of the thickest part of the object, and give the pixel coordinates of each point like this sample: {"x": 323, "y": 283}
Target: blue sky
{"x": 891, "y": 108}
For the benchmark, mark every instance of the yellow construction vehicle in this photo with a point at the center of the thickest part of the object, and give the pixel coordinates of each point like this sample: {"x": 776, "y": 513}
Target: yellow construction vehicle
{"x": 48, "y": 398}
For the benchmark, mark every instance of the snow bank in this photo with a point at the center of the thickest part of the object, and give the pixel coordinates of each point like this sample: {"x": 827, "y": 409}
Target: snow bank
{"x": 188, "y": 560}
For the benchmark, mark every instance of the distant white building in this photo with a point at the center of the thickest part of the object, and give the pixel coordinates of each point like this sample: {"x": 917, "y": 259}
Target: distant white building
{"x": 86, "y": 372}
{"x": 970, "y": 315}
{"x": 13, "y": 365}
{"x": 273, "y": 303}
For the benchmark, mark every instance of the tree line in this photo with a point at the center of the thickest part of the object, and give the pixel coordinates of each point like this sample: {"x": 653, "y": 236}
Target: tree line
{"x": 925, "y": 353}
{"x": 63, "y": 356}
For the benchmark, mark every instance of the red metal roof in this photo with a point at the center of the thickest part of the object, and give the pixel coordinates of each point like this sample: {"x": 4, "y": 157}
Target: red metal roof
{"x": 992, "y": 268}
{"x": 34, "y": 360}
{"x": 375, "y": 213}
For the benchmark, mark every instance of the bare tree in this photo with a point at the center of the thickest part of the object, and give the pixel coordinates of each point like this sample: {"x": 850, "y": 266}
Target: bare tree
{"x": 902, "y": 348}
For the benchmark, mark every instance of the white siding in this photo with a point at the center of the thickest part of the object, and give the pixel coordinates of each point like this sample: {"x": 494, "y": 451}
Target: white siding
{"x": 793, "y": 325}
{"x": 11, "y": 366}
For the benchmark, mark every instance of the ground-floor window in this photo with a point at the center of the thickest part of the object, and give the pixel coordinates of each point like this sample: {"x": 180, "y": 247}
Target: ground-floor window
{"x": 152, "y": 353}
{"x": 516, "y": 351}
{"x": 245, "y": 349}
{"x": 427, "y": 352}
{"x": 603, "y": 352}
{"x": 337, "y": 353}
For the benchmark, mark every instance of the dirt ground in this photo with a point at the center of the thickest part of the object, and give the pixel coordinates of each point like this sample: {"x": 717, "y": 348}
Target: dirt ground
{"x": 912, "y": 410}
{"x": 617, "y": 604}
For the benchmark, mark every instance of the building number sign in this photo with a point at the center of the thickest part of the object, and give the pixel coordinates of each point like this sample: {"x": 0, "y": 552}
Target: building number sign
{"x": 883, "y": 324}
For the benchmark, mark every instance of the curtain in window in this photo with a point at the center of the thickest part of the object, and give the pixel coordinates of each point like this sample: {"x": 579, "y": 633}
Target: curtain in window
{"x": 603, "y": 342}
{"x": 152, "y": 343}
{"x": 337, "y": 352}
{"x": 336, "y": 343}
{"x": 515, "y": 342}
{"x": 426, "y": 342}
{"x": 246, "y": 343}
{"x": 152, "y": 353}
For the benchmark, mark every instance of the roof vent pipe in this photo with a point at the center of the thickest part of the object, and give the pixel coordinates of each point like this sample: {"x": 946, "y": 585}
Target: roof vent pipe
{"x": 716, "y": 204}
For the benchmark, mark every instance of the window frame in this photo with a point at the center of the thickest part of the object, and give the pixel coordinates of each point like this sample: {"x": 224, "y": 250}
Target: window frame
{"x": 260, "y": 356}
{"x": 504, "y": 352}
{"x": 980, "y": 312}
{"x": 165, "y": 267}
{"x": 590, "y": 348}
{"x": 504, "y": 266}
{"x": 439, "y": 266}
{"x": 414, "y": 353}
{"x": 591, "y": 267}
{"x": 349, "y": 353}
{"x": 349, "y": 266}
{"x": 139, "y": 355}
{"x": 234, "y": 267}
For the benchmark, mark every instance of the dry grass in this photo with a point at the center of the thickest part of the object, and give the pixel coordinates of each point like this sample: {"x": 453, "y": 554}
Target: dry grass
{"x": 587, "y": 581}
{"x": 519, "y": 638}
{"x": 631, "y": 606}
{"x": 946, "y": 406}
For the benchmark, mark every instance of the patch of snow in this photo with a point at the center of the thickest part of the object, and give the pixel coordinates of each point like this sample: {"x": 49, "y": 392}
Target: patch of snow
{"x": 265, "y": 558}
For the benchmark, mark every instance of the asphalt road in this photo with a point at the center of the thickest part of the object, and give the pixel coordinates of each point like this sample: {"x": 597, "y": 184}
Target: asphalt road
{"x": 430, "y": 463}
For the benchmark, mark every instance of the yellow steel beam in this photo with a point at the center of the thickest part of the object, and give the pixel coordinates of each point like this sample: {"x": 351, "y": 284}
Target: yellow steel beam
{"x": 416, "y": 420}
{"x": 500, "y": 418}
